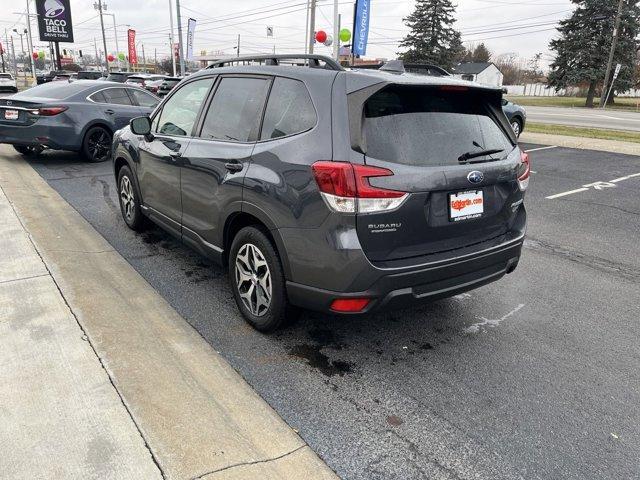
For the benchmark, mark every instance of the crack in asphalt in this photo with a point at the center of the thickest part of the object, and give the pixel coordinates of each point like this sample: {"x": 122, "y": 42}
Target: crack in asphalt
{"x": 603, "y": 205}
{"x": 255, "y": 462}
{"x": 597, "y": 263}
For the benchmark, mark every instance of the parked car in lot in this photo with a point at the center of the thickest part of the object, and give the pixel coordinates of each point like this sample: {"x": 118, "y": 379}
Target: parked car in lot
{"x": 79, "y": 116}
{"x": 153, "y": 85}
{"x": 339, "y": 191}
{"x": 516, "y": 115}
{"x": 167, "y": 85}
{"x": 119, "y": 77}
{"x": 90, "y": 75}
{"x": 49, "y": 76}
{"x": 8, "y": 83}
{"x": 143, "y": 80}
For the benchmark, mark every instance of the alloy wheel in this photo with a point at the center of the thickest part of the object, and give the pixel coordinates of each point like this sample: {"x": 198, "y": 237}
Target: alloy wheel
{"x": 127, "y": 198}
{"x": 99, "y": 145}
{"x": 253, "y": 279}
{"x": 516, "y": 128}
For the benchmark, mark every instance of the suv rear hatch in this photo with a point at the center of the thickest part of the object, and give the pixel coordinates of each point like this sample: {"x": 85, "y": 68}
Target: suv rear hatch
{"x": 450, "y": 150}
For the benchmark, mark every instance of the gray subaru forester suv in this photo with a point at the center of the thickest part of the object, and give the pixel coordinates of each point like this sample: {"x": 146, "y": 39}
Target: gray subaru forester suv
{"x": 329, "y": 189}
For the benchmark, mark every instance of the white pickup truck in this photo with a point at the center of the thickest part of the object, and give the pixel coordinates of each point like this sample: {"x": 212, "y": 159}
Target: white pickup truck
{"x": 8, "y": 83}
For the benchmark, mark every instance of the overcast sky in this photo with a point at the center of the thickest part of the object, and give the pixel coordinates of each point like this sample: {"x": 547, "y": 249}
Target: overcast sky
{"x": 506, "y": 26}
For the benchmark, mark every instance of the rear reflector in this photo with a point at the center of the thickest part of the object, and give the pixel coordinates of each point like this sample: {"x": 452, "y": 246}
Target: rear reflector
{"x": 524, "y": 171}
{"x": 345, "y": 188}
{"x": 48, "y": 111}
{"x": 346, "y": 305}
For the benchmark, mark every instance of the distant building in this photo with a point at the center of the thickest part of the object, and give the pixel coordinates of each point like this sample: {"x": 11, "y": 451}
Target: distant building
{"x": 485, "y": 73}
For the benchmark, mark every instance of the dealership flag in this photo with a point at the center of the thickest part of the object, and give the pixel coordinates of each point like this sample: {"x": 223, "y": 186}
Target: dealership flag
{"x": 131, "y": 42}
{"x": 190, "y": 31}
{"x": 361, "y": 27}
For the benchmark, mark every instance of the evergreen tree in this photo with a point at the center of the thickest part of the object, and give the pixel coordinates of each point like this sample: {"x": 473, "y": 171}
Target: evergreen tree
{"x": 582, "y": 50}
{"x": 432, "y": 38}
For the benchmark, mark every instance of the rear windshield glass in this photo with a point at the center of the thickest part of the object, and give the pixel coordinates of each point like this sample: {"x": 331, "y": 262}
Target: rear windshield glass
{"x": 134, "y": 80}
{"x": 430, "y": 126}
{"x": 55, "y": 90}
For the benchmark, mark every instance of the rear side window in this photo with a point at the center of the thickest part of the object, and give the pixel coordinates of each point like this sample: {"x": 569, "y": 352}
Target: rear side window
{"x": 235, "y": 110}
{"x": 180, "y": 112}
{"x": 143, "y": 99}
{"x": 116, "y": 96}
{"x": 289, "y": 110}
{"x": 428, "y": 126}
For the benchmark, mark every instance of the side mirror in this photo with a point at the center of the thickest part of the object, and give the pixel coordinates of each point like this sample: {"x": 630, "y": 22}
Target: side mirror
{"x": 140, "y": 125}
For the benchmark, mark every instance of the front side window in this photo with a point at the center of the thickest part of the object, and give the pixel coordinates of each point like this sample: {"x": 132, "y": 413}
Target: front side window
{"x": 180, "y": 112}
{"x": 234, "y": 113}
{"x": 143, "y": 98}
{"x": 116, "y": 96}
{"x": 289, "y": 110}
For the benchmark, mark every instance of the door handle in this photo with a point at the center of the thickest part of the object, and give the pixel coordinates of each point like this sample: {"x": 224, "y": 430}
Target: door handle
{"x": 175, "y": 155}
{"x": 233, "y": 166}
{"x": 109, "y": 111}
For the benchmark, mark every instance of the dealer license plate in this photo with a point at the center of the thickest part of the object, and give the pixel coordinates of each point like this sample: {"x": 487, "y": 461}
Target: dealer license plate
{"x": 11, "y": 114}
{"x": 466, "y": 205}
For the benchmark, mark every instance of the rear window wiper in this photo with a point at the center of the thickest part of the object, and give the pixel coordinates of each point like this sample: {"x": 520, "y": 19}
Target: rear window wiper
{"x": 465, "y": 157}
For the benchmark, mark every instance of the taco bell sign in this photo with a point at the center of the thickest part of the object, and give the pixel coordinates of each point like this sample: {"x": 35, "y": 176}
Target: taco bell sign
{"x": 54, "y": 20}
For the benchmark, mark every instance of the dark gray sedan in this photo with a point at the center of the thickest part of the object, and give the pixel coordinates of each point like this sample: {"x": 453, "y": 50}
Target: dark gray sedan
{"x": 79, "y": 116}
{"x": 516, "y": 115}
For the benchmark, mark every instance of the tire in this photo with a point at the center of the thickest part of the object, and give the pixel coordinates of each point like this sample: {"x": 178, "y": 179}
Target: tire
{"x": 252, "y": 258}
{"x": 29, "y": 150}
{"x": 516, "y": 125}
{"x": 96, "y": 145}
{"x": 129, "y": 199}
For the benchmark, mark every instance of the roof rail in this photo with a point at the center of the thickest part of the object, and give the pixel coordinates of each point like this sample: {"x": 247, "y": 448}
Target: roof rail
{"x": 420, "y": 68}
{"x": 310, "y": 60}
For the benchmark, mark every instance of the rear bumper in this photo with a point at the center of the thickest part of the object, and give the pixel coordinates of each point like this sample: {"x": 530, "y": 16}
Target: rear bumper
{"x": 406, "y": 287}
{"x": 55, "y": 136}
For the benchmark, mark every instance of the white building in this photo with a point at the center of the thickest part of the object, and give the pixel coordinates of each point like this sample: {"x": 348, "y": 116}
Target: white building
{"x": 485, "y": 73}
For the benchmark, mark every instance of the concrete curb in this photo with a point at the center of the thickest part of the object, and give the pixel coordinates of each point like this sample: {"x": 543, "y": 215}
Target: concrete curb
{"x": 198, "y": 417}
{"x": 613, "y": 146}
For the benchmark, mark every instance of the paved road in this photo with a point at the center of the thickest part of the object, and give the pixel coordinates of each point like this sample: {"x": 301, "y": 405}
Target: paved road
{"x": 584, "y": 117}
{"x": 536, "y": 376}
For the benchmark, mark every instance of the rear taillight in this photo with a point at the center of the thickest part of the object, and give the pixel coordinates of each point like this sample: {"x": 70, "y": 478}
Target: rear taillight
{"x": 345, "y": 188}
{"x": 48, "y": 111}
{"x": 524, "y": 172}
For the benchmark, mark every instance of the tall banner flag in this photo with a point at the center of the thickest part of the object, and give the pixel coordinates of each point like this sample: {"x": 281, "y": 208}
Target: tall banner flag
{"x": 131, "y": 43}
{"x": 54, "y": 20}
{"x": 191, "y": 29}
{"x": 361, "y": 27}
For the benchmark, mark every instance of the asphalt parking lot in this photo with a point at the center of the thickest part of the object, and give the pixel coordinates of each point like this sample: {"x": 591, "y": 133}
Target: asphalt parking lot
{"x": 536, "y": 376}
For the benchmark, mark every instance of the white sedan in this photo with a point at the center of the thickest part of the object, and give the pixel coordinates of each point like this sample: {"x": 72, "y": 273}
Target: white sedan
{"x": 8, "y": 83}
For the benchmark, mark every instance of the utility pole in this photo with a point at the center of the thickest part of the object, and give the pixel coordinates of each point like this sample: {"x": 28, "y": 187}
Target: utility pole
{"x": 614, "y": 43}
{"x": 238, "y": 47}
{"x": 30, "y": 42}
{"x": 95, "y": 45}
{"x": 181, "y": 46}
{"x": 98, "y": 7}
{"x": 312, "y": 25}
{"x": 15, "y": 63}
{"x": 24, "y": 73}
{"x": 171, "y": 38}
{"x": 144, "y": 60}
{"x": 155, "y": 60}
{"x": 336, "y": 30}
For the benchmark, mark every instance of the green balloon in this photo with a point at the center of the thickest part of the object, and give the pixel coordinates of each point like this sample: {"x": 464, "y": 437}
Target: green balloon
{"x": 345, "y": 35}
{"x": 40, "y": 54}
{"x": 121, "y": 56}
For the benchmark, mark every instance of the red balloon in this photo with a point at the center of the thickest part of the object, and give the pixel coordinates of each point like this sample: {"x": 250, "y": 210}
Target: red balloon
{"x": 111, "y": 58}
{"x": 35, "y": 55}
{"x": 321, "y": 36}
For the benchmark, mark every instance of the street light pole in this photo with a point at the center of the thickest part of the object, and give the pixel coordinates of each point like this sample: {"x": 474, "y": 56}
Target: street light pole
{"x": 171, "y": 38}
{"x": 115, "y": 35}
{"x": 181, "y": 46}
{"x": 612, "y": 52}
{"x": 336, "y": 30}
{"x": 312, "y": 25}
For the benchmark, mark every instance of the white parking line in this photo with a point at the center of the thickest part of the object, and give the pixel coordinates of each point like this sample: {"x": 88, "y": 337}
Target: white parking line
{"x": 599, "y": 185}
{"x": 570, "y": 192}
{"x": 541, "y": 148}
